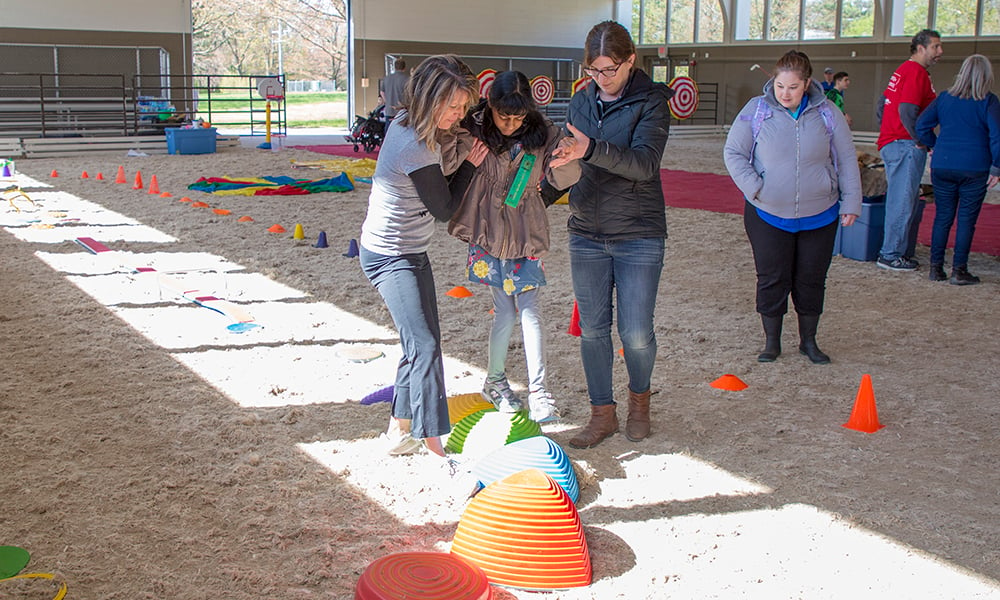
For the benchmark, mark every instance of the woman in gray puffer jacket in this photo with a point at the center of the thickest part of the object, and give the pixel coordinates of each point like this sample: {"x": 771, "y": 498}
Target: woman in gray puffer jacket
{"x": 791, "y": 153}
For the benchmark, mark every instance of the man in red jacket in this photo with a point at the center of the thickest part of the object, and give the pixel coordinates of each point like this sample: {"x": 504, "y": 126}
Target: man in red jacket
{"x": 908, "y": 93}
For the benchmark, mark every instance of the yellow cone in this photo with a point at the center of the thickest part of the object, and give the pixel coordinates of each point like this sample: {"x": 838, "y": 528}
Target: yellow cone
{"x": 298, "y": 235}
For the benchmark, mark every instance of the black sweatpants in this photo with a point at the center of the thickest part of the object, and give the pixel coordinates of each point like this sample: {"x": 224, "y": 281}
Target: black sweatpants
{"x": 789, "y": 263}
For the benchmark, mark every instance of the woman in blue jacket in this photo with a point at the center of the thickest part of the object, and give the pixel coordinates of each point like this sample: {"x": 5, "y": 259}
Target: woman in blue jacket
{"x": 617, "y": 224}
{"x": 965, "y": 162}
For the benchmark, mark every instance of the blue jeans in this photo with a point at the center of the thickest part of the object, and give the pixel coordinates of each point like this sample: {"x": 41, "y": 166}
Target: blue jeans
{"x": 904, "y": 166}
{"x": 633, "y": 268}
{"x": 962, "y": 192}
{"x": 406, "y": 283}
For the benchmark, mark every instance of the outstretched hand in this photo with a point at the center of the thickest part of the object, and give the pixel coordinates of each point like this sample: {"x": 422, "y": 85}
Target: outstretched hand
{"x": 992, "y": 181}
{"x": 570, "y": 148}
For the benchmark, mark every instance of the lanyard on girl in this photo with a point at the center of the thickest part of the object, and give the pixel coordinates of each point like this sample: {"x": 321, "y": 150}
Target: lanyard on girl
{"x": 520, "y": 180}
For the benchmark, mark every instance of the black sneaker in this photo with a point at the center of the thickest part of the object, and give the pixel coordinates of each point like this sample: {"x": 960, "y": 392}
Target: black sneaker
{"x": 961, "y": 276}
{"x": 937, "y": 273}
{"x": 897, "y": 264}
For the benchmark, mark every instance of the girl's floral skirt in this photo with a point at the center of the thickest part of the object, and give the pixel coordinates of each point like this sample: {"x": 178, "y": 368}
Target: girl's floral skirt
{"x": 513, "y": 276}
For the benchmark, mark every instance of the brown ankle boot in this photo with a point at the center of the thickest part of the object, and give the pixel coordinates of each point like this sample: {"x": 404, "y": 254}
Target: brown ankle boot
{"x": 603, "y": 424}
{"x": 637, "y": 424}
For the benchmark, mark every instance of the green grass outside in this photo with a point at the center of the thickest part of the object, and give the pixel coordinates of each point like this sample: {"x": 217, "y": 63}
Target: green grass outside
{"x": 341, "y": 123}
{"x": 241, "y": 101}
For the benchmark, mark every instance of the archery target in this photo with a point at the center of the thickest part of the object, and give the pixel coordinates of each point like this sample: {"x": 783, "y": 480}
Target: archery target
{"x": 580, "y": 83}
{"x": 685, "y": 100}
{"x": 486, "y": 78}
{"x": 542, "y": 90}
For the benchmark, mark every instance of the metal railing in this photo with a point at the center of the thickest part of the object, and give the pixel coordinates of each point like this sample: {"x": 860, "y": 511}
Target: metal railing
{"x": 88, "y": 104}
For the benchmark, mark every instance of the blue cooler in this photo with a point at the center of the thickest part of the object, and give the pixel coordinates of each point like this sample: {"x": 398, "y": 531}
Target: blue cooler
{"x": 863, "y": 240}
{"x": 190, "y": 141}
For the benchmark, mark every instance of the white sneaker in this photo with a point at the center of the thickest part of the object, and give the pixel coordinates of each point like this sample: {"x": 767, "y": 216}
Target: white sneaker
{"x": 404, "y": 445}
{"x": 501, "y": 396}
{"x": 542, "y": 407}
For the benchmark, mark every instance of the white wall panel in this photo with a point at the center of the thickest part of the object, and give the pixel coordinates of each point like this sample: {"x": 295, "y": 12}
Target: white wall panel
{"x": 558, "y": 23}
{"x": 160, "y": 16}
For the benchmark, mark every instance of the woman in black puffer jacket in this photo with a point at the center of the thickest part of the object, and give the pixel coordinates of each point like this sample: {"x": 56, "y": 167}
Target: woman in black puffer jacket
{"x": 617, "y": 225}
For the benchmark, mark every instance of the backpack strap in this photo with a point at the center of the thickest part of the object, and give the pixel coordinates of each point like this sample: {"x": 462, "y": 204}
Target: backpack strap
{"x": 762, "y": 112}
{"x": 824, "y": 111}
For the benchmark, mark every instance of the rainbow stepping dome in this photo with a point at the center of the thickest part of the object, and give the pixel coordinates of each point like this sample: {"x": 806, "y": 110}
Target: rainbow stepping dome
{"x": 12, "y": 560}
{"x": 523, "y": 531}
{"x": 483, "y": 432}
{"x": 463, "y": 405}
{"x": 537, "y": 452}
{"x": 380, "y": 395}
{"x": 425, "y": 575}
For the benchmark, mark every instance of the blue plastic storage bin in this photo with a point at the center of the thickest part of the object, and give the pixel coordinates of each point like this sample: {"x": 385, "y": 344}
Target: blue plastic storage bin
{"x": 190, "y": 141}
{"x": 863, "y": 240}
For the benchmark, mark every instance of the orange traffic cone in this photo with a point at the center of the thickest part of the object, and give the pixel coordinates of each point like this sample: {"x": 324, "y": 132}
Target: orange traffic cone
{"x": 459, "y": 291}
{"x": 84, "y": 175}
{"x": 154, "y": 186}
{"x": 54, "y": 173}
{"x": 574, "y": 321}
{"x": 730, "y": 383}
{"x": 100, "y": 176}
{"x": 120, "y": 178}
{"x": 138, "y": 181}
{"x": 864, "y": 416}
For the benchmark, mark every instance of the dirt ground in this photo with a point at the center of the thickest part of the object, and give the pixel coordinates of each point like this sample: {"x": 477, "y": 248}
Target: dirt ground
{"x": 129, "y": 473}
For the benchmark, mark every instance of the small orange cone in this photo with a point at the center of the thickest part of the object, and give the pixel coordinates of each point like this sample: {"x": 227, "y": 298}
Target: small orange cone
{"x": 574, "y": 321}
{"x": 276, "y": 228}
{"x": 199, "y": 205}
{"x": 299, "y": 234}
{"x": 138, "y": 181}
{"x": 864, "y": 416}
{"x": 730, "y": 383}
{"x": 120, "y": 178}
{"x": 100, "y": 176}
{"x": 184, "y": 199}
{"x": 154, "y": 186}
{"x": 459, "y": 291}
{"x": 221, "y": 211}
{"x": 84, "y": 175}
{"x": 166, "y": 195}
{"x": 245, "y": 219}
{"x": 54, "y": 173}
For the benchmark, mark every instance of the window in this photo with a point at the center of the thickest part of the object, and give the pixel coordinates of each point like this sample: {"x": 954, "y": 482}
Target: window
{"x": 710, "y": 21}
{"x": 654, "y": 22}
{"x": 909, "y": 16}
{"x": 783, "y": 20}
{"x": 956, "y": 17}
{"x": 820, "y": 20}
{"x": 991, "y": 18}
{"x": 857, "y": 18}
{"x": 682, "y": 21}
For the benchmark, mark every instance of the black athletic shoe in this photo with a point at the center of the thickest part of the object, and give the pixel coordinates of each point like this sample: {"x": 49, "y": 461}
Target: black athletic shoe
{"x": 937, "y": 273}
{"x": 897, "y": 264}
{"x": 961, "y": 276}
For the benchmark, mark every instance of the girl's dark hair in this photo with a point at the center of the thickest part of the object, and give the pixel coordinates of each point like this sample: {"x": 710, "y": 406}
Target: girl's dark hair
{"x": 610, "y": 39}
{"x": 795, "y": 62}
{"x": 510, "y": 94}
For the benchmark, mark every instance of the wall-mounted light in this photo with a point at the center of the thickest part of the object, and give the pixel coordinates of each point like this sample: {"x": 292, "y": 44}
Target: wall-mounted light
{"x": 706, "y": 55}
{"x": 364, "y": 82}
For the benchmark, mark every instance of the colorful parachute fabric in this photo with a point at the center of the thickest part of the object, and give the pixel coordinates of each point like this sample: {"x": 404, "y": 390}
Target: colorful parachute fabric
{"x": 271, "y": 186}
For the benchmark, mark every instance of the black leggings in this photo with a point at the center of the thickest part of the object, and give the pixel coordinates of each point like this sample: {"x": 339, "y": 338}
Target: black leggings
{"x": 794, "y": 263}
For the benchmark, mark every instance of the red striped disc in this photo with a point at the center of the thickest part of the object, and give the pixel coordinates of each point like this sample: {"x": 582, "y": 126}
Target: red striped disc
{"x": 542, "y": 90}
{"x": 486, "y": 78}
{"x": 425, "y": 575}
{"x": 580, "y": 83}
{"x": 685, "y": 100}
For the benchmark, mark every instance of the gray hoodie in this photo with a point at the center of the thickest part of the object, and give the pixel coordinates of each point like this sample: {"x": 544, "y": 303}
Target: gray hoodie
{"x": 791, "y": 171}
